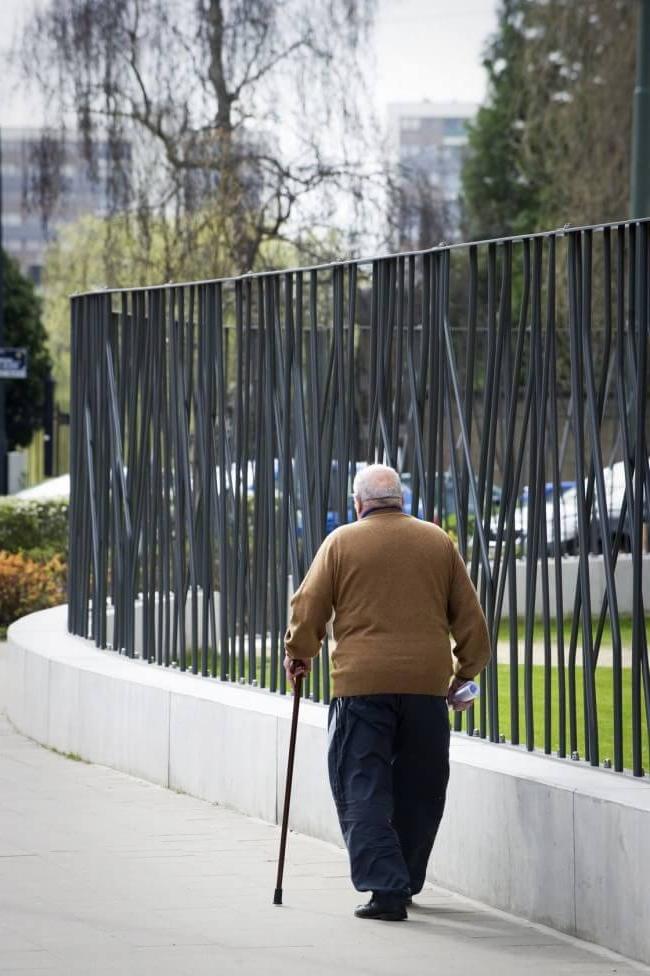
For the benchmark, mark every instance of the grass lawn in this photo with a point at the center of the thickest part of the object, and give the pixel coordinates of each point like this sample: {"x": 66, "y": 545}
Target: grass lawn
{"x": 604, "y": 697}
{"x": 538, "y": 631}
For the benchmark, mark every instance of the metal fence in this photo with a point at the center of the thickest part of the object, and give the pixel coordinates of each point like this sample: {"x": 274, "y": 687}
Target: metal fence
{"x": 216, "y": 427}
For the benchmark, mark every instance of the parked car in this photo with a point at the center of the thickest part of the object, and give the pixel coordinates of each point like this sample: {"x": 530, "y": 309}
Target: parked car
{"x": 548, "y": 490}
{"x": 449, "y": 497}
{"x": 614, "y": 478}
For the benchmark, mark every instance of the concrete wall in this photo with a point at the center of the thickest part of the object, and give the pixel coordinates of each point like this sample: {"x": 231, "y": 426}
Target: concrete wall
{"x": 561, "y": 844}
{"x": 570, "y": 564}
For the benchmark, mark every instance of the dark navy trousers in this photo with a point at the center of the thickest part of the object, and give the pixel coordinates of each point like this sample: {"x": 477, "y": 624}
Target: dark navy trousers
{"x": 389, "y": 767}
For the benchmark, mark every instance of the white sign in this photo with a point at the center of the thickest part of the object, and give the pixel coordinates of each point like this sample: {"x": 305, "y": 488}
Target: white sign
{"x": 13, "y": 363}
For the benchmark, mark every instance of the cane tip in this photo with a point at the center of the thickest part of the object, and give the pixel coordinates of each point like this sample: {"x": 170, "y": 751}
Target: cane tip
{"x": 277, "y": 897}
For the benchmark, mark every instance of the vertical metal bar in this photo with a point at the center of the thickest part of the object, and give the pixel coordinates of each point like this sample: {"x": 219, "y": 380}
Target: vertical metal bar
{"x": 579, "y": 317}
{"x": 640, "y": 469}
{"x": 535, "y": 494}
{"x": 594, "y": 410}
{"x": 472, "y": 314}
{"x": 217, "y": 404}
{"x": 556, "y": 541}
{"x": 243, "y": 580}
{"x": 257, "y": 622}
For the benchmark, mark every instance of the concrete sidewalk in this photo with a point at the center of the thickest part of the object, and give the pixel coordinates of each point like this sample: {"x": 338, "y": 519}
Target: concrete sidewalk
{"x": 101, "y": 873}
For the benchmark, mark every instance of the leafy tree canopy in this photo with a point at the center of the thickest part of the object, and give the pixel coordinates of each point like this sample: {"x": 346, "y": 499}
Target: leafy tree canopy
{"x": 498, "y": 196}
{"x": 75, "y": 262}
{"x": 551, "y": 145}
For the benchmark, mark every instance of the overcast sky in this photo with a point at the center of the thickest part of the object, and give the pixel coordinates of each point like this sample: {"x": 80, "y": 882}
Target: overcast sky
{"x": 432, "y": 49}
{"x": 423, "y": 49}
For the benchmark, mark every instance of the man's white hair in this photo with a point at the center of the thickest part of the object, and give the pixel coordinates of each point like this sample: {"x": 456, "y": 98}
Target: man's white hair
{"x": 378, "y": 483}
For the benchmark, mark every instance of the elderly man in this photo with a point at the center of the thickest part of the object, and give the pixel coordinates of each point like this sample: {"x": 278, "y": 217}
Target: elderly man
{"x": 398, "y": 587}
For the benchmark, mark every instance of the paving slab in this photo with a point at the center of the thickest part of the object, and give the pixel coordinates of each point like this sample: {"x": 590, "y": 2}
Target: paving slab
{"x": 103, "y": 873}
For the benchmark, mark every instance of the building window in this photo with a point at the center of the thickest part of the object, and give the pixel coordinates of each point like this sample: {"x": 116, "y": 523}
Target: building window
{"x": 34, "y": 272}
{"x": 455, "y": 127}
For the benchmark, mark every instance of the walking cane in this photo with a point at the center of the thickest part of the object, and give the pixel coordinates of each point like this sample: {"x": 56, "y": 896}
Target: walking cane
{"x": 277, "y": 897}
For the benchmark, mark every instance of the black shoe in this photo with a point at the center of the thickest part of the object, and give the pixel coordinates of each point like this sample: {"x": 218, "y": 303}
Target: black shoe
{"x": 385, "y": 911}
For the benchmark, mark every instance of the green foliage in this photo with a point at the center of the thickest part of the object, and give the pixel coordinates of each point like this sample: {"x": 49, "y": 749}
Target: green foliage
{"x": 498, "y": 196}
{"x": 76, "y": 262}
{"x": 33, "y": 556}
{"x": 36, "y": 529}
{"x": 27, "y": 586}
{"x": 551, "y": 144}
{"x": 23, "y": 328}
{"x": 580, "y": 68}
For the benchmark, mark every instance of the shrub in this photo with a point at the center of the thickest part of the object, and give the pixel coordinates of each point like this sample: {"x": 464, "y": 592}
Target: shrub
{"x": 37, "y": 529}
{"x": 27, "y": 586}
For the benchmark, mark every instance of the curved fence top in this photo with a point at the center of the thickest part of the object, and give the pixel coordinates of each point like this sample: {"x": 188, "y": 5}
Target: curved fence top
{"x": 558, "y": 233}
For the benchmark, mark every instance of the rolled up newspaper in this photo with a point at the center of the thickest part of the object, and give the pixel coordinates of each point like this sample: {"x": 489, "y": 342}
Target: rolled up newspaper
{"x": 467, "y": 692}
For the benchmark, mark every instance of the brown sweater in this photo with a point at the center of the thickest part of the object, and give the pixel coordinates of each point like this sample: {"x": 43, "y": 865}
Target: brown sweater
{"x": 398, "y": 587}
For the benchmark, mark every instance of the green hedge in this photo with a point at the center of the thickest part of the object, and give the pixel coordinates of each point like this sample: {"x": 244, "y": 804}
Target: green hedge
{"x": 37, "y": 529}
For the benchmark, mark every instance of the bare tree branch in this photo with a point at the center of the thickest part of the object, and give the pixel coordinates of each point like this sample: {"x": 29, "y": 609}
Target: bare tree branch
{"x": 211, "y": 107}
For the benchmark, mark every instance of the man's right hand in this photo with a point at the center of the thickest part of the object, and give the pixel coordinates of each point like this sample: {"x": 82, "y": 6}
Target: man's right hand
{"x": 296, "y": 668}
